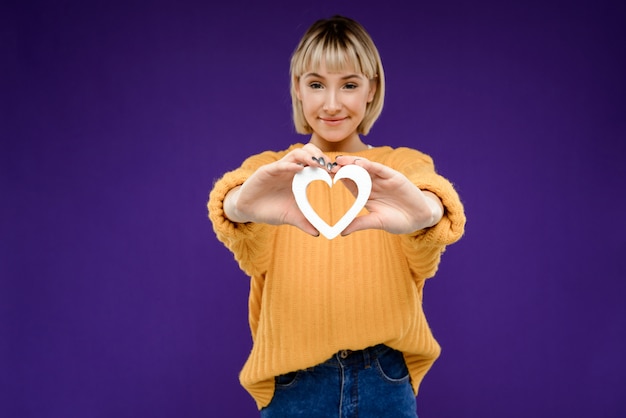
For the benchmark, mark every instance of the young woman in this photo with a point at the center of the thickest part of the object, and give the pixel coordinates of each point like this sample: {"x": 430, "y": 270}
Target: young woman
{"x": 337, "y": 325}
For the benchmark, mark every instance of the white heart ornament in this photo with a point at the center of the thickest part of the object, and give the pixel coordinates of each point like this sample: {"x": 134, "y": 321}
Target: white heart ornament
{"x": 301, "y": 180}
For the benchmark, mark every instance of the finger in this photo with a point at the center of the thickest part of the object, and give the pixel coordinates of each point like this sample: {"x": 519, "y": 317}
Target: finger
{"x": 312, "y": 156}
{"x": 303, "y": 224}
{"x": 309, "y": 229}
{"x": 282, "y": 167}
{"x": 302, "y": 158}
{"x": 351, "y": 159}
{"x": 314, "y": 151}
{"x": 361, "y": 223}
{"x": 376, "y": 169}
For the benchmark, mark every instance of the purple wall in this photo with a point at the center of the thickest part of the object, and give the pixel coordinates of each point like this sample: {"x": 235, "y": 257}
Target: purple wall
{"x": 116, "y": 300}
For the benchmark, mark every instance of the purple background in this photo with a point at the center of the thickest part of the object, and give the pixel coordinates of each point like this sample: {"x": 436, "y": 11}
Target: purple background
{"x": 116, "y": 300}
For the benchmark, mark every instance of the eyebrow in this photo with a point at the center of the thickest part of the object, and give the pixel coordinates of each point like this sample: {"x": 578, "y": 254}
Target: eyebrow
{"x": 316, "y": 75}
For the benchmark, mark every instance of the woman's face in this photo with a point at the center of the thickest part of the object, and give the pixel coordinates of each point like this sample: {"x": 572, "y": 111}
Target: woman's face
{"x": 334, "y": 105}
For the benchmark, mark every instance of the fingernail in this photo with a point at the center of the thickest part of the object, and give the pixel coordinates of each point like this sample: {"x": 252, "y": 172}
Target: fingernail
{"x": 315, "y": 159}
{"x": 322, "y": 161}
{"x": 329, "y": 166}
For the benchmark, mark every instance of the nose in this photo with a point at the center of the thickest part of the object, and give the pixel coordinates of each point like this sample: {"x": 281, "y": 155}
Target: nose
{"x": 332, "y": 103}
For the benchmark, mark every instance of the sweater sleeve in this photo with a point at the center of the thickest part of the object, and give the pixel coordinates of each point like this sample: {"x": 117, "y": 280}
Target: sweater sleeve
{"x": 423, "y": 248}
{"x": 247, "y": 241}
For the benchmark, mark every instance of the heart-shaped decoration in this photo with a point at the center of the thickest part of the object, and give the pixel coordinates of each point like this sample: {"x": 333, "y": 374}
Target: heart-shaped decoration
{"x": 301, "y": 180}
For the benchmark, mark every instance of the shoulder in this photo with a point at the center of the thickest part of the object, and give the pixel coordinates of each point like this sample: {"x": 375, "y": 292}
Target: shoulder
{"x": 402, "y": 157}
{"x": 267, "y": 157}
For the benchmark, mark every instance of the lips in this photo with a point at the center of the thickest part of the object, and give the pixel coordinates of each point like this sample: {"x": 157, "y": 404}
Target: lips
{"x": 332, "y": 121}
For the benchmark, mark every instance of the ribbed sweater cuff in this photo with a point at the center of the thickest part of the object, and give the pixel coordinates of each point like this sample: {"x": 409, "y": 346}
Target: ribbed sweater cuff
{"x": 222, "y": 226}
{"x": 451, "y": 226}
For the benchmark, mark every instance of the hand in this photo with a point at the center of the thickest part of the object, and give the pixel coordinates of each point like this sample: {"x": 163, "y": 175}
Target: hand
{"x": 266, "y": 196}
{"x": 395, "y": 204}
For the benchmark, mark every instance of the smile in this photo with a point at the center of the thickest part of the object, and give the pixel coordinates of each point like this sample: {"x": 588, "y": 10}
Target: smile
{"x": 333, "y": 121}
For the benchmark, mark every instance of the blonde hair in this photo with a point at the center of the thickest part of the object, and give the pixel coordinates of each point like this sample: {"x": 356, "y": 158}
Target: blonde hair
{"x": 340, "y": 43}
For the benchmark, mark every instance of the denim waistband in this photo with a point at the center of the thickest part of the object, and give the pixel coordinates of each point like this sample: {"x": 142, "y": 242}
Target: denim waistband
{"x": 357, "y": 357}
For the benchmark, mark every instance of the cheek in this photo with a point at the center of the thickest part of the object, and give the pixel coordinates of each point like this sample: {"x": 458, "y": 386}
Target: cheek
{"x": 309, "y": 104}
{"x": 306, "y": 108}
{"x": 359, "y": 104}
{"x": 309, "y": 112}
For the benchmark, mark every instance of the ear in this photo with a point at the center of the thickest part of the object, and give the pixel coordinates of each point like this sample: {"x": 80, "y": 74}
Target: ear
{"x": 296, "y": 87}
{"x": 373, "y": 87}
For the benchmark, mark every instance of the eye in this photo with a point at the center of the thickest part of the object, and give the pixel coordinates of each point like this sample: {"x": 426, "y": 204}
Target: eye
{"x": 316, "y": 85}
{"x": 350, "y": 86}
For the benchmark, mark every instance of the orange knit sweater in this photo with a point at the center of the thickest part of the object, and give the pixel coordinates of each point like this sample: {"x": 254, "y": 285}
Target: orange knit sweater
{"x": 311, "y": 297}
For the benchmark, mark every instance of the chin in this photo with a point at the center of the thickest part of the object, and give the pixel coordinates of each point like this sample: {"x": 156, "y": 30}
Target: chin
{"x": 335, "y": 137}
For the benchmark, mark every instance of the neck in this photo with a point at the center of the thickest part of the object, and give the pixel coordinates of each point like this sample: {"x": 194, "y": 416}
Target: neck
{"x": 353, "y": 144}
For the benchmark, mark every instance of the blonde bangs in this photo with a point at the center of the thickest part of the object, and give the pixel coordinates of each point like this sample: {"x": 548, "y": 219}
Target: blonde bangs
{"x": 336, "y": 55}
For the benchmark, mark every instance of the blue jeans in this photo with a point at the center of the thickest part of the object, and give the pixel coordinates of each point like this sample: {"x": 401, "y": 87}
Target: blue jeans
{"x": 370, "y": 383}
